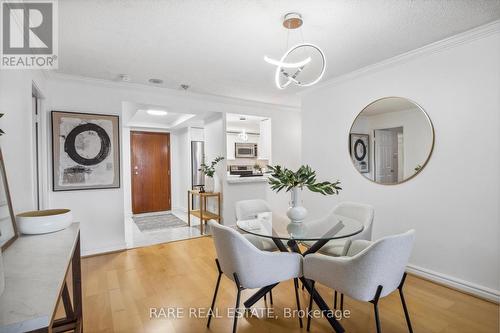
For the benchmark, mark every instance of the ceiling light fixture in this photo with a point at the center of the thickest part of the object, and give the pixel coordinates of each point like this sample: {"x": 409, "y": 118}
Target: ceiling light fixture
{"x": 282, "y": 77}
{"x": 157, "y": 112}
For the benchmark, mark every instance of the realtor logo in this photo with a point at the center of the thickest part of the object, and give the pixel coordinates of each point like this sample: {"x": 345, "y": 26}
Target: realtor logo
{"x": 29, "y": 34}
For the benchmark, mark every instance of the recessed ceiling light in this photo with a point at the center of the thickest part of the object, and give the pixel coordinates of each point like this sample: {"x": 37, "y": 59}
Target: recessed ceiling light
{"x": 157, "y": 112}
{"x": 156, "y": 81}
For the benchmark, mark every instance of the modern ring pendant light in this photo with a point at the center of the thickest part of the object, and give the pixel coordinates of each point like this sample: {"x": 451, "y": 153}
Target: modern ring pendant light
{"x": 289, "y": 71}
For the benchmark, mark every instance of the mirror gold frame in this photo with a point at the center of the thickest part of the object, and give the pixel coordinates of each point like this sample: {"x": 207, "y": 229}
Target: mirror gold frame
{"x": 423, "y": 165}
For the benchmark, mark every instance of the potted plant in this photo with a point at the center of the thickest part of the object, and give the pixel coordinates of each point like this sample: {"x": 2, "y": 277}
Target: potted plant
{"x": 294, "y": 181}
{"x": 212, "y": 180}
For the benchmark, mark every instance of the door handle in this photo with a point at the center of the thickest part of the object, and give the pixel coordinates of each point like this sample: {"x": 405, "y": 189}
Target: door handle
{"x": 136, "y": 172}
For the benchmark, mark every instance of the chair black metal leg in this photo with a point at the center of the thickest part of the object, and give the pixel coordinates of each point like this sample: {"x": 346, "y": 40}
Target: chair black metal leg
{"x": 342, "y": 302}
{"x": 375, "y": 307}
{"x": 377, "y": 319}
{"x": 236, "y": 308}
{"x": 296, "y": 283}
{"x": 271, "y": 296}
{"x": 335, "y": 300}
{"x": 407, "y": 315}
{"x": 265, "y": 298}
{"x": 309, "y": 309}
{"x": 210, "y": 313}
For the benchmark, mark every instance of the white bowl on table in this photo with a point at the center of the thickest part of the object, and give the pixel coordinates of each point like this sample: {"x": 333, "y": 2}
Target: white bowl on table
{"x": 44, "y": 221}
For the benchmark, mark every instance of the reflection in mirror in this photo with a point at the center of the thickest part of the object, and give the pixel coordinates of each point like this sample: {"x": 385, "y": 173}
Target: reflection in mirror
{"x": 391, "y": 140}
{"x": 8, "y": 231}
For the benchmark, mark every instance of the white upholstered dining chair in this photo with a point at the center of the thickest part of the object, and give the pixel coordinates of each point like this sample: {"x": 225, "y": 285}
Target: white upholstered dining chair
{"x": 368, "y": 272}
{"x": 250, "y": 209}
{"x": 249, "y": 267}
{"x": 357, "y": 211}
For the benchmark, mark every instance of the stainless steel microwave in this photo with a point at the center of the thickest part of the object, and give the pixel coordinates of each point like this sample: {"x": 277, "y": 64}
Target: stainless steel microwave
{"x": 245, "y": 150}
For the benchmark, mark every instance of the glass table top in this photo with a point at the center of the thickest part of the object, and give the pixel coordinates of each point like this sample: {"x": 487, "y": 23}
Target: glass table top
{"x": 273, "y": 225}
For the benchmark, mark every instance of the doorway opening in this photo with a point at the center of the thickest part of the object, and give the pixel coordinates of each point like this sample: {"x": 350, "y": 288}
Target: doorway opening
{"x": 389, "y": 155}
{"x": 158, "y": 173}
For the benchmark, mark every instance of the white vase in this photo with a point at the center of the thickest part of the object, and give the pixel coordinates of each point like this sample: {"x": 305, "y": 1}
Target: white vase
{"x": 296, "y": 213}
{"x": 209, "y": 184}
{"x": 212, "y": 184}
{"x": 217, "y": 183}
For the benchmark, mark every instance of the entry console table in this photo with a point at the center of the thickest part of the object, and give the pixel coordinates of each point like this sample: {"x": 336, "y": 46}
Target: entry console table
{"x": 203, "y": 213}
{"x": 36, "y": 269}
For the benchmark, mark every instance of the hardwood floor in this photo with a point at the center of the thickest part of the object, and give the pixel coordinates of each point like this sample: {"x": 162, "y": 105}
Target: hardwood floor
{"x": 120, "y": 288}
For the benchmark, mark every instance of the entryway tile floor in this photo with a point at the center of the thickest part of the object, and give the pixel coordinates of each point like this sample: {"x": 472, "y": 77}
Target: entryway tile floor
{"x": 136, "y": 238}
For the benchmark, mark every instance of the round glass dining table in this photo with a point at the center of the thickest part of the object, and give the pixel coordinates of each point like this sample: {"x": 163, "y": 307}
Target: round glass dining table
{"x": 276, "y": 226}
{"x": 279, "y": 228}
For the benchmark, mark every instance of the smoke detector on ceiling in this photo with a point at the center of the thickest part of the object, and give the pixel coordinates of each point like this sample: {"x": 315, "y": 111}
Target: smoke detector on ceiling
{"x": 155, "y": 81}
{"x": 124, "y": 77}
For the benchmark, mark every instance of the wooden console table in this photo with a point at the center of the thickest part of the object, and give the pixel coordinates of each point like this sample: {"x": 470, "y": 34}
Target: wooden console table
{"x": 203, "y": 214}
{"x": 36, "y": 269}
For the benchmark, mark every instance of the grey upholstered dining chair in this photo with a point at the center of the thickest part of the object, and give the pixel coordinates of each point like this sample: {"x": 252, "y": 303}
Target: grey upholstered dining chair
{"x": 249, "y": 267}
{"x": 357, "y": 211}
{"x": 368, "y": 272}
{"x": 249, "y": 209}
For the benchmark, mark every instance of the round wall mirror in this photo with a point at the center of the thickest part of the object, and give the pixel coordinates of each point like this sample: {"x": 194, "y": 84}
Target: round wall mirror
{"x": 391, "y": 140}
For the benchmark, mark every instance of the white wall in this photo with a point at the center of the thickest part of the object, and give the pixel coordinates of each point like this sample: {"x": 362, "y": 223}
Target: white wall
{"x": 181, "y": 167}
{"x": 17, "y": 142}
{"x": 454, "y": 202}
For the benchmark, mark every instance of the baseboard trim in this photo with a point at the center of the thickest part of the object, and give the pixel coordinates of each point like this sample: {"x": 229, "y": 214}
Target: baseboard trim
{"x": 454, "y": 283}
{"x": 105, "y": 250}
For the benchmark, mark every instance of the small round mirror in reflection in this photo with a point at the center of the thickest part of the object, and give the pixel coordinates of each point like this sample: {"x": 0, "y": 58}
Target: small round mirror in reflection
{"x": 391, "y": 140}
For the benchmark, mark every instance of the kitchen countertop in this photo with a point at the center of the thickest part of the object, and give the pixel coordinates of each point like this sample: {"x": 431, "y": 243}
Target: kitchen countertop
{"x": 234, "y": 179}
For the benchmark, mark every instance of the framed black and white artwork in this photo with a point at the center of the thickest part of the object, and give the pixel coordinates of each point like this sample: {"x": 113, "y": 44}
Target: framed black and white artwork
{"x": 85, "y": 151}
{"x": 360, "y": 151}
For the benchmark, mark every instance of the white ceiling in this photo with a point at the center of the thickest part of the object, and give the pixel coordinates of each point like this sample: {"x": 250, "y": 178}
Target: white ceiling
{"x": 171, "y": 120}
{"x": 217, "y": 46}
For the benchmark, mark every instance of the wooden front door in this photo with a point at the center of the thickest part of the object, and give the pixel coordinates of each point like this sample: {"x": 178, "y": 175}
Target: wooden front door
{"x": 150, "y": 158}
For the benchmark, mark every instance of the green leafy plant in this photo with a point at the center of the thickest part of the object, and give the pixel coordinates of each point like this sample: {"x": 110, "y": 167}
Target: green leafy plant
{"x": 209, "y": 170}
{"x": 283, "y": 178}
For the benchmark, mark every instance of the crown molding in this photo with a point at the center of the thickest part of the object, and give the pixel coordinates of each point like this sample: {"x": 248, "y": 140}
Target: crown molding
{"x": 439, "y": 46}
{"x": 171, "y": 92}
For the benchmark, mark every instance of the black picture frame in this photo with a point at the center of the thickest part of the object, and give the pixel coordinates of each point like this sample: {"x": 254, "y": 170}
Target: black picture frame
{"x": 85, "y": 164}
{"x": 360, "y": 159}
